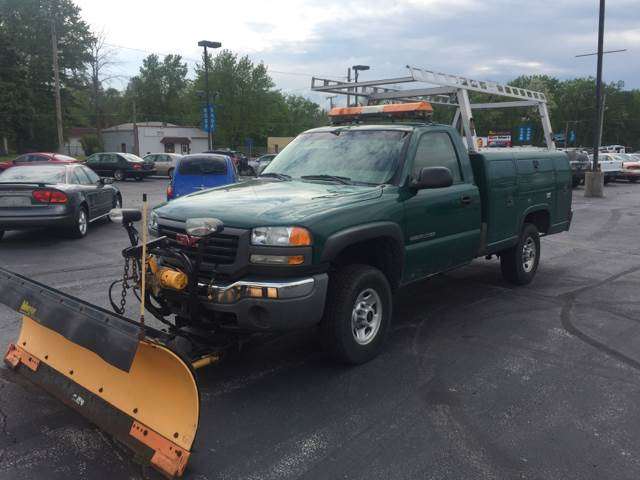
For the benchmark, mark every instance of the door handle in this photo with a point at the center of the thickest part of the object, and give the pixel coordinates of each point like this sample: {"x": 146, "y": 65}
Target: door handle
{"x": 465, "y": 200}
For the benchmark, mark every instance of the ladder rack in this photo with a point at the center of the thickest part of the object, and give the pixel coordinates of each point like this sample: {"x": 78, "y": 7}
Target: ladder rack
{"x": 449, "y": 90}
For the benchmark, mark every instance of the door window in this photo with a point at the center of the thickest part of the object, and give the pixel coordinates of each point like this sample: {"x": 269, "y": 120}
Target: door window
{"x": 169, "y": 148}
{"x": 93, "y": 178}
{"x": 436, "y": 150}
{"x": 82, "y": 177}
{"x": 30, "y": 158}
{"x": 93, "y": 160}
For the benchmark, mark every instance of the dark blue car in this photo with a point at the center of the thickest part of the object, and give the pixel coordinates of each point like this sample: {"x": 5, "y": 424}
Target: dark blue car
{"x": 201, "y": 171}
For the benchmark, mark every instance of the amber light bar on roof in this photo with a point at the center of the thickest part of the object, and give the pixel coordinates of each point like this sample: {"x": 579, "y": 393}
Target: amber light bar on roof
{"x": 394, "y": 108}
{"x": 400, "y": 109}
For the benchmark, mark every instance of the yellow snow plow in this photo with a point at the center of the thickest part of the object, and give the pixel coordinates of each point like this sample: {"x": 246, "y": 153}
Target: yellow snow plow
{"x": 119, "y": 375}
{"x": 134, "y": 381}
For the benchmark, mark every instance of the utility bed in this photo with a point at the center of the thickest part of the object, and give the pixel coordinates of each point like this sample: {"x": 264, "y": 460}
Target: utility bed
{"x": 514, "y": 183}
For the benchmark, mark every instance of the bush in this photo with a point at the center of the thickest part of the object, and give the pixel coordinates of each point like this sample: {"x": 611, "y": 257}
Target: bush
{"x": 91, "y": 144}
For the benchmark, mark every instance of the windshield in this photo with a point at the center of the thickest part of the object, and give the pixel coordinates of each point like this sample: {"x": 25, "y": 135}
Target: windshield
{"x": 203, "y": 166}
{"x": 366, "y": 156}
{"x": 39, "y": 174}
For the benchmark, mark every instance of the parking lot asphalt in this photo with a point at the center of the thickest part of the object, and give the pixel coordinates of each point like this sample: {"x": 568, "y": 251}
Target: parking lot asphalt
{"x": 479, "y": 379}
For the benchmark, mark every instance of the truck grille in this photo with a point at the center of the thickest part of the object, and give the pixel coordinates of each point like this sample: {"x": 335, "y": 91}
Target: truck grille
{"x": 221, "y": 249}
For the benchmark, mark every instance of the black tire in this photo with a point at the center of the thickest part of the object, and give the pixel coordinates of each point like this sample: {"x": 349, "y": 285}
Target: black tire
{"x": 633, "y": 179}
{"x": 575, "y": 182}
{"x": 77, "y": 230}
{"x": 607, "y": 179}
{"x": 139, "y": 179}
{"x": 348, "y": 285}
{"x": 119, "y": 175}
{"x": 515, "y": 269}
{"x": 1, "y": 234}
{"x": 170, "y": 173}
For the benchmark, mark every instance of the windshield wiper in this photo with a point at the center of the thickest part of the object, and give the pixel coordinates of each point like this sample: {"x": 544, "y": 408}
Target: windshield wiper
{"x": 335, "y": 178}
{"x": 279, "y": 176}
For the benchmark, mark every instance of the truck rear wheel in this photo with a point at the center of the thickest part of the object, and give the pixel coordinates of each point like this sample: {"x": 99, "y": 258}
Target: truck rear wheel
{"x": 520, "y": 263}
{"x": 358, "y": 314}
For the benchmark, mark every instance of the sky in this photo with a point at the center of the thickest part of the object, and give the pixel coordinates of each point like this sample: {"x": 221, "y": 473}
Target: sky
{"x": 488, "y": 40}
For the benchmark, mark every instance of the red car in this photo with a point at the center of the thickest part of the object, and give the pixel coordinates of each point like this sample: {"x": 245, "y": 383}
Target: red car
{"x": 37, "y": 157}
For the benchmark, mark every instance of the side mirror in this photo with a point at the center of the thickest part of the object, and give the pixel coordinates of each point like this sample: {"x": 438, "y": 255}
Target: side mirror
{"x": 125, "y": 215}
{"x": 433, "y": 177}
{"x": 106, "y": 180}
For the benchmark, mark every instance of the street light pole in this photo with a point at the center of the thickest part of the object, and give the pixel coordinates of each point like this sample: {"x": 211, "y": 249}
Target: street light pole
{"x": 205, "y": 44}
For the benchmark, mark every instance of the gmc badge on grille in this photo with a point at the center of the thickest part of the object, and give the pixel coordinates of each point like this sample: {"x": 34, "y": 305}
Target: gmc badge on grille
{"x": 186, "y": 240}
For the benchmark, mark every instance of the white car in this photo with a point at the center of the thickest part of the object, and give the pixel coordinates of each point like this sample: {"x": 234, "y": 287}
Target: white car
{"x": 610, "y": 165}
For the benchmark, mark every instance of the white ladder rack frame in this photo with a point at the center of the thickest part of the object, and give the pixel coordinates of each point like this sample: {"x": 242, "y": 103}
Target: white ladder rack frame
{"x": 450, "y": 90}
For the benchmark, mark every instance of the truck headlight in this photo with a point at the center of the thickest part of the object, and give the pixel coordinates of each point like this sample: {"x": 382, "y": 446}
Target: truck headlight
{"x": 281, "y": 236}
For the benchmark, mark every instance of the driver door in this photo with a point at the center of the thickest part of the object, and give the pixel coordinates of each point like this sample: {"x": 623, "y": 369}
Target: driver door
{"x": 442, "y": 225}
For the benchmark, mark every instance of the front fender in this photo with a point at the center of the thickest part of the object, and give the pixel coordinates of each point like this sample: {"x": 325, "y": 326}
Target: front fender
{"x": 360, "y": 233}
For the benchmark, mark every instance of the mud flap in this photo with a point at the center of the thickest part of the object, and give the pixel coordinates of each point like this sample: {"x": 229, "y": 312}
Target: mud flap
{"x": 152, "y": 407}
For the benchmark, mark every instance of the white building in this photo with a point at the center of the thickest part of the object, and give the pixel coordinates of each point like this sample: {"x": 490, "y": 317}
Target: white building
{"x": 154, "y": 137}
{"x": 73, "y": 143}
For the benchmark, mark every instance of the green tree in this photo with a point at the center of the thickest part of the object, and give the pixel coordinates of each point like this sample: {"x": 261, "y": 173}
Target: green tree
{"x": 247, "y": 106}
{"x": 27, "y": 111}
{"x": 160, "y": 89}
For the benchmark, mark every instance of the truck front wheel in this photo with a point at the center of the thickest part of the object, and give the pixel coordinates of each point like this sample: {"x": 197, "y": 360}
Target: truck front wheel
{"x": 358, "y": 313}
{"x": 519, "y": 263}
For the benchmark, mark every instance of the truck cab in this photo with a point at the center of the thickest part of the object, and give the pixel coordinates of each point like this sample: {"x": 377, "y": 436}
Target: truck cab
{"x": 347, "y": 214}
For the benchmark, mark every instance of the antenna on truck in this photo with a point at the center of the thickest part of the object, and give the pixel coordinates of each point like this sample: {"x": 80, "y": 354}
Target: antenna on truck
{"x": 446, "y": 89}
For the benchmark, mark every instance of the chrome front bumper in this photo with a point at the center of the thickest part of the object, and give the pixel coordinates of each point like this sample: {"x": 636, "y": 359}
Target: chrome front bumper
{"x": 269, "y": 305}
{"x": 236, "y": 291}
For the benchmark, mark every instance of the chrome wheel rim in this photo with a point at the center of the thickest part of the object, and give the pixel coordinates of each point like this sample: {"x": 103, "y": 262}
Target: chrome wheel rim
{"x": 118, "y": 175}
{"x": 82, "y": 222}
{"x": 366, "y": 316}
{"x": 528, "y": 255}
{"x": 118, "y": 203}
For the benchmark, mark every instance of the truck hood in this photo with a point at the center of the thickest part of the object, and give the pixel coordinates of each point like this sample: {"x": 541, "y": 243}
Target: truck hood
{"x": 266, "y": 202}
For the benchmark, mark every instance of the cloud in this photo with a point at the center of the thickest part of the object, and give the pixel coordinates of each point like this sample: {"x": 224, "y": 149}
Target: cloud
{"x": 491, "y": 39}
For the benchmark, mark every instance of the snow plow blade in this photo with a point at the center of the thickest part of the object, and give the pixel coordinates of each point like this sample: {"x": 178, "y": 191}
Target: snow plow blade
{"x": 137, "y": 390}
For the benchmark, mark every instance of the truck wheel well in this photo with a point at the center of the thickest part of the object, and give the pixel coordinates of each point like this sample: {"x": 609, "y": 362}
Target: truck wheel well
{"x": 383, "y": 253}
{"x": 540, "y": 219}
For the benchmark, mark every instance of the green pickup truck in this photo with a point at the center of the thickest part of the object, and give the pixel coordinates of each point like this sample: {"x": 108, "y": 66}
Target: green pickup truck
{"x": 346, "y": 215}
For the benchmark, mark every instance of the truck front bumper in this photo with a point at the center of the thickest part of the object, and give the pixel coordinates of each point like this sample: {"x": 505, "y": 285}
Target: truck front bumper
{"x": 260, "y": 304}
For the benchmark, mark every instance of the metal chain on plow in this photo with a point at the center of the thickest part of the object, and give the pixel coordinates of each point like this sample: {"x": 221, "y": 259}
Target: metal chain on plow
{"x": 130, "y": 279}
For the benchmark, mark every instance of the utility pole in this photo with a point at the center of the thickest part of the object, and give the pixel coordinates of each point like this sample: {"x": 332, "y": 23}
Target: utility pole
{"x": 56, "y": 83}
{"x": 136, "y": 139}
{"x": 599, "y": 103}
{"x": 594, "y": 180}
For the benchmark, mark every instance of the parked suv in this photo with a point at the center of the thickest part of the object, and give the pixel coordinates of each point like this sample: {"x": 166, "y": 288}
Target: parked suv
{"x": 120, "y": 166}
{"x": 580, "y": 164}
